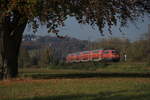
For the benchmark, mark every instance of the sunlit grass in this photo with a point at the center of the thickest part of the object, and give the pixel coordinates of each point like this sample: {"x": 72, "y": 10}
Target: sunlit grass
{"x": 66, "y": 88}
{"x": 76, "y": 89}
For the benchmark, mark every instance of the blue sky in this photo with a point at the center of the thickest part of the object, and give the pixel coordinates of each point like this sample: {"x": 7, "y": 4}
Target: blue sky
{"x": 86, "y": 32}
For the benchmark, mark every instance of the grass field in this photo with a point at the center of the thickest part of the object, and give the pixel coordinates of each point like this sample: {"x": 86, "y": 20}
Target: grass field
{"x": 27, "y": 87}
{"x": 79, "y": 70}
{"x": 76, "y": 89}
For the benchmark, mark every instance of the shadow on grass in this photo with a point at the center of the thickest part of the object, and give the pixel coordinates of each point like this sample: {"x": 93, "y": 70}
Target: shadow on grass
{"x": 100, "y": 96}
{"x": 88, "y": 75}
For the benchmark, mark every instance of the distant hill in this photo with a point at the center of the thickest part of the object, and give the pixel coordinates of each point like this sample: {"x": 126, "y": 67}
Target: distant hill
{"x": 61, "y": 46}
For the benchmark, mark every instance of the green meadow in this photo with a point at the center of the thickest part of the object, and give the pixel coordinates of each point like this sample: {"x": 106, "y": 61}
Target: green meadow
{"x": 118, "y": 81}
{"x": 76, "y": 89}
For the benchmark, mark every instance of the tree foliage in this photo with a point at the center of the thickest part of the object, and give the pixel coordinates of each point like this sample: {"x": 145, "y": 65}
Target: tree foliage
{"x": 93, "y": 12}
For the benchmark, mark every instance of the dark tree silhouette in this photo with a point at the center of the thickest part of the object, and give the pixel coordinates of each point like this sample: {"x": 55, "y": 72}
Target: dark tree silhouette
{"x": 15, "y": 14}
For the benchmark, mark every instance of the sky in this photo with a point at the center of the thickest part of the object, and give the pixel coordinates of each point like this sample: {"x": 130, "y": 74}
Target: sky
{"x": 86, "y": 32}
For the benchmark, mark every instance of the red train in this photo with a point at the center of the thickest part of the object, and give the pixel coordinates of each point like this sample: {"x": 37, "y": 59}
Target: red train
{"x": 94, "y": 55}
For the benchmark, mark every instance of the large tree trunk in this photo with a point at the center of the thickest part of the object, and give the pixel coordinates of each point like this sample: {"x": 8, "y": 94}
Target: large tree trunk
{"x": 10, "y": 40}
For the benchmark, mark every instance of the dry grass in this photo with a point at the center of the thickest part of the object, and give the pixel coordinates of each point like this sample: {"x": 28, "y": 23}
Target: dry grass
{"x": 78, "y": 89}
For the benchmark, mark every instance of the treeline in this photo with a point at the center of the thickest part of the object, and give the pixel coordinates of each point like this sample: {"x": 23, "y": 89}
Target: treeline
{"x": 46, "y": 50}
{"x": 137, "y": 51}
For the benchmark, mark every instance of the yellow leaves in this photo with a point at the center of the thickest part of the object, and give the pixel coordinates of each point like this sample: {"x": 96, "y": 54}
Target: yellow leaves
{"x": 99, "y": 12}
{"x": 32, "y": 1}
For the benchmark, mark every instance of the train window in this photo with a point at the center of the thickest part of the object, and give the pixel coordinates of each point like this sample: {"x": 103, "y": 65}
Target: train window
{"x": 114, "y": 51}
{"x": 86, "y": 52}
{"x": 70, "y": 55}
{"x": 95, "y": 51}
{"x": 106, "y": 52}
{"x": 78, "y": 53}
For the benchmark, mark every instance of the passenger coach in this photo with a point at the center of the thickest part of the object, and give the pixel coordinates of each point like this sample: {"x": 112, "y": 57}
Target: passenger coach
{"x": 94, "y": 55}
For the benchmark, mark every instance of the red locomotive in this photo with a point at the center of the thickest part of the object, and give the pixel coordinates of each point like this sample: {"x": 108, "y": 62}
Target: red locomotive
{"x": 94, "y": 55}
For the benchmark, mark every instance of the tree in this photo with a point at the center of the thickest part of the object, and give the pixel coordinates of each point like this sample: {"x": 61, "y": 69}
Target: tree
{"x": 15, "y": 14}
{"x": 46, "y": 55}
